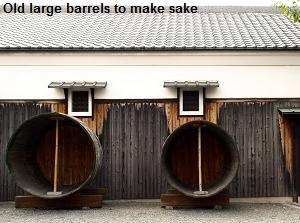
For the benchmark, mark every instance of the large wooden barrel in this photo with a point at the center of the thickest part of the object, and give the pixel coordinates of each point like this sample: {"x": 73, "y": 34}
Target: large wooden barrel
{"x": 31, "y": 155}
{"x": 219, "y": 159}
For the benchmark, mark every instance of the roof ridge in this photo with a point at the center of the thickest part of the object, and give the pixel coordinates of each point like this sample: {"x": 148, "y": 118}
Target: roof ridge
{"x": 201, "y": 9}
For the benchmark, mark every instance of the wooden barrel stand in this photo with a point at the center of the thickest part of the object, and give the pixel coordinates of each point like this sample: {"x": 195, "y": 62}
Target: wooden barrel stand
{"x": 91, "y": 198}
{"x": 175, "y": 199}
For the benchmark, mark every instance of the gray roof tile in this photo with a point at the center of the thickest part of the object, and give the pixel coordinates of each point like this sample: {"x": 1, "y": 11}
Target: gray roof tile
{"x": 221, "y": 28}
{"x": 76, "y": 84}
{"x": 191, "y": 84}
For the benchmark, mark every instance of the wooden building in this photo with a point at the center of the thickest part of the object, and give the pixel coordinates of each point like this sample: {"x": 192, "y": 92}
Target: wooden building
{"x": 134, "y": 78}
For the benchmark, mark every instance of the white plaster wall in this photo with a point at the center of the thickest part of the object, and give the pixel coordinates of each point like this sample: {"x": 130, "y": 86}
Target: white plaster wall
{"x": 24, "y": 79}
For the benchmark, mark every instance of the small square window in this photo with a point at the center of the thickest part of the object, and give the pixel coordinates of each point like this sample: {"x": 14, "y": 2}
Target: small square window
{"x": 79, "y": 102}
{"x": 191, "y": 102}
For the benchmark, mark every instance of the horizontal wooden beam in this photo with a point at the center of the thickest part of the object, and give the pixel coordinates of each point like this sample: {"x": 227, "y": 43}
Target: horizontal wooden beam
{"x": 174, "y": 199}
{"x": 70, "y": 202}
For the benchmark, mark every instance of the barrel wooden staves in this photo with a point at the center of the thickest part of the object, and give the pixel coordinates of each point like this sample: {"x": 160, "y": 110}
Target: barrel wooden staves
{"x": 53, "y": 150}
{"x": 199, "y": 159}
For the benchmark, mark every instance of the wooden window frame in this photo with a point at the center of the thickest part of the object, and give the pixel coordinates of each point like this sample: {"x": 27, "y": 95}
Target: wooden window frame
{"x": 200, "y": 111}
{"x": 89, "y": 113}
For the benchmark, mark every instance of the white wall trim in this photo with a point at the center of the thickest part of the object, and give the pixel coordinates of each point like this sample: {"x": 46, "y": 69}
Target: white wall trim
{"x": 153, "y": 59}
{"x": 141, "y": 75}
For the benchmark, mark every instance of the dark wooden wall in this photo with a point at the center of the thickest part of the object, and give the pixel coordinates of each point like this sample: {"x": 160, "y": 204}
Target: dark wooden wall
{"x": 132, "y": 139}
{"x": 264, "y": 169}
{"x": 296, "y": 153}
{"x": 132, "y": 135}
{"x": 11, "y": 116}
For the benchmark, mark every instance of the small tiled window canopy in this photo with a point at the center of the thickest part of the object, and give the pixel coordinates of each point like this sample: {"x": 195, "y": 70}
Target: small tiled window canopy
{"x": 79, "y": 95}
{"x": 191, "y": 95}
{"x": 289, "y": 111}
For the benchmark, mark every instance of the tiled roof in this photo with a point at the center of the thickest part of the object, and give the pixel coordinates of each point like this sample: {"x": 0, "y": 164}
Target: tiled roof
{"x": 212, "y": 28}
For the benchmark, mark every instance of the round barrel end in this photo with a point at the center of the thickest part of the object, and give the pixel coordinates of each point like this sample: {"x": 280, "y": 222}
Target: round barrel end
{"x": 31, "y": 152}
{"x": 180, "y": 159}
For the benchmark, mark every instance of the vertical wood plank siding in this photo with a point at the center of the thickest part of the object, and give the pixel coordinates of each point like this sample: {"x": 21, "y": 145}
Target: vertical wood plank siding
{"x": 11, "y": 117}
{"x": 264, "y": 168}
{"x": 132, "y": 135}
{"x": 132, "y": 139}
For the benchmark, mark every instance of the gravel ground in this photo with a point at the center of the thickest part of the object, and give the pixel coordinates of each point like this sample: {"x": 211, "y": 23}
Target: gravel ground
{"x": 119, "y": 211}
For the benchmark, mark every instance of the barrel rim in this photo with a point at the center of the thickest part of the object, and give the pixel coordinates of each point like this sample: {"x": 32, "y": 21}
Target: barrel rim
{"x": 175, "y": 183}
{"x": 87, "y": 131}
